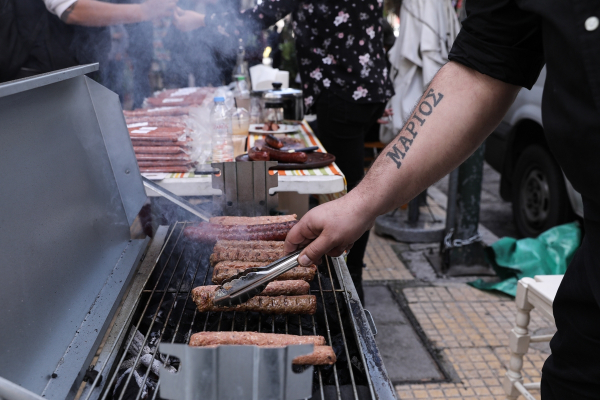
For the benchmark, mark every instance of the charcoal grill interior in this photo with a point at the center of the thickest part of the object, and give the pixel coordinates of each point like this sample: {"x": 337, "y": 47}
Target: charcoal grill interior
{"x": 165, "y": 312}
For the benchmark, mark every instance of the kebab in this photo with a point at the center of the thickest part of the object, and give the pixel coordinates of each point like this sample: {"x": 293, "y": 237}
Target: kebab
{"x": 321, "y": 355}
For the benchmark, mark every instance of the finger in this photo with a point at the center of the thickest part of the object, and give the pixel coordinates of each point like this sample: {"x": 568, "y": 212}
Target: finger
{"x": 338, "y": 251}
{"x": 315, "y": 250}
{"x": 299, "y": 236}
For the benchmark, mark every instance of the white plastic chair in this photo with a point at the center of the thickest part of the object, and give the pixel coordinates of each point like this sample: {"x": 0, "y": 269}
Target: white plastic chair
{"x": 538, "y": 292}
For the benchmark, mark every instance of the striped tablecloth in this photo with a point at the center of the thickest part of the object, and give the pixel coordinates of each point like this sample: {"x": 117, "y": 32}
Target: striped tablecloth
{"x": 308, "y": 138}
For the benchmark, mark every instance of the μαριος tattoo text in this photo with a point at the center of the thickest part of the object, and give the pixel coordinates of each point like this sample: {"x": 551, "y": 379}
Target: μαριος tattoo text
{"x": 404, "y": 142}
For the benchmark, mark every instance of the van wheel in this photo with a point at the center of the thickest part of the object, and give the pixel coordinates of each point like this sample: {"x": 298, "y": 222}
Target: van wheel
{"x": 539, "y": 198}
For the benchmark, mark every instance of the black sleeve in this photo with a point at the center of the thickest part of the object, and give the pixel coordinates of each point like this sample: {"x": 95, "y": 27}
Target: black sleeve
{"x": 13, "y": 50}
{"x": 500, "y": 40}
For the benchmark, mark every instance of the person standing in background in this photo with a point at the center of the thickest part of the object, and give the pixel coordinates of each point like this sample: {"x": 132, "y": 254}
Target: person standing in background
{"x": 65, "y": 33}
{"x": 343, "y": 71}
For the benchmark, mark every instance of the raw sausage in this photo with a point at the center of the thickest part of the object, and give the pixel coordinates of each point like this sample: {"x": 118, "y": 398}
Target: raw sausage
{"x": 158, "y": 150}
{"x": 232, "y": 254}
{"x": 252, "y": 220}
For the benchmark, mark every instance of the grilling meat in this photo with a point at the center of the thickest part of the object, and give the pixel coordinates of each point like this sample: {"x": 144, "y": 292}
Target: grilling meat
{"x": 223, "y": 245}
{"x": 321, "y": 355}
{"x": 305, "y": 304}
{"x": 253, "y": 220}
{"x": 278, "y": 288}
{"x": 207, "y": 232}
{"x": 226, "y": 269}
{"x": 252, "y": 338}
{"x": 235, "y": 254}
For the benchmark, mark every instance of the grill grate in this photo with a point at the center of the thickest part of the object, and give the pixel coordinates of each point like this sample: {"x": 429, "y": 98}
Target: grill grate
{"x": 165, "y": 312}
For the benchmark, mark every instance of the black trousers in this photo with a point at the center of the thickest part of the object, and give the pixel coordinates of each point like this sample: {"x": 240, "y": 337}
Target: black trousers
{"x": 342, "y": 128}
{"x": 573, "y": 369}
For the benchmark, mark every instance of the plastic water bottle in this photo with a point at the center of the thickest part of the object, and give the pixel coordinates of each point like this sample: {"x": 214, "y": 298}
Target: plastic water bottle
{"x": 222, "y": 141}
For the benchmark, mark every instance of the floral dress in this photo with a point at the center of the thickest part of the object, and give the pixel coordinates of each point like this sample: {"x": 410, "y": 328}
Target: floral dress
{"x": 339, "y": 44}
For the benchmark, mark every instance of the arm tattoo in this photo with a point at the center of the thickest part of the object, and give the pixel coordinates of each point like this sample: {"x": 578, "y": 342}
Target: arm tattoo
{"x": 65, "y": 15}
{"x": 423, "y": 110}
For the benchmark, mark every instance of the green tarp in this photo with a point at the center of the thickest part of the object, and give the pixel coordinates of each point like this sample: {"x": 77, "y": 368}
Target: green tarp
{"x": 548, "y": 254}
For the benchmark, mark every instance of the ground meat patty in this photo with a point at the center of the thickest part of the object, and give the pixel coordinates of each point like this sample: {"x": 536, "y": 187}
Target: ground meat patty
{"x": 258, "y": 255}
{"x": 248, "y": 244}
{"x": 207, "y": 232}
{"x": 252, "y": 338}
{"x": 226, "y": 269}
{"x": 278, "y": 288}
{"x": 305, "y": 304}
{"x": 252, "y": 220}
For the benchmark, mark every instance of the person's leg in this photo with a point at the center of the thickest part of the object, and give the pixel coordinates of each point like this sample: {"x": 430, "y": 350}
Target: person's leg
{"x": 573, "y": 368}
{"x": 342, "y": 127}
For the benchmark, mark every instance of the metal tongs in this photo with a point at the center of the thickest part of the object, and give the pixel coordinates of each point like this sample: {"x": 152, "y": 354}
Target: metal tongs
{"x": 247, "y": 284}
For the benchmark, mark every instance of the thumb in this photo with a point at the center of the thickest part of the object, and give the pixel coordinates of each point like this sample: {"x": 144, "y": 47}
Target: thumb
{"x": 315, "y": 250}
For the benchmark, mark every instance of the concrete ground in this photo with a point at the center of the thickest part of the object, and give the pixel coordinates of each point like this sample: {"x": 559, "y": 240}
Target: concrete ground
{"x": 461, "y": 343}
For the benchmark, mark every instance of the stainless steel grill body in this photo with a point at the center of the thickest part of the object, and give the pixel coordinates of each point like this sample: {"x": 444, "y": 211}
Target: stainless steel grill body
{"x": 161, "y": 308}
{"x": 70, "y": 191}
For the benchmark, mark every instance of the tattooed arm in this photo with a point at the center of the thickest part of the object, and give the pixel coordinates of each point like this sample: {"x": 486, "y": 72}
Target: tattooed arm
{"x": 100, "y": 13}
{"x": 459, "y": 109}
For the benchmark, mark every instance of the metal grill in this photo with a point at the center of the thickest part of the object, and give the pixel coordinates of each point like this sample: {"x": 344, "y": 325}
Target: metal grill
{"x": 165, "y": 312}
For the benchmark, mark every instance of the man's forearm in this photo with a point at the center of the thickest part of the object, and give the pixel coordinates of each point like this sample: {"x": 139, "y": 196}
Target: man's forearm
{"x": 459, "y": 109}
{"x": 99, "y": 13}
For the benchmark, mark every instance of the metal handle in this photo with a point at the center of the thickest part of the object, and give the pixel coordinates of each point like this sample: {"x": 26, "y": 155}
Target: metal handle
{"x": 371, "y": 321}
{"x": 180, "y": 201}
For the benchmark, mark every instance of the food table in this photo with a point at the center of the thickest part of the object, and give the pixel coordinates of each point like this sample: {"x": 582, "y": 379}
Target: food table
{"x": 294, "y": 185}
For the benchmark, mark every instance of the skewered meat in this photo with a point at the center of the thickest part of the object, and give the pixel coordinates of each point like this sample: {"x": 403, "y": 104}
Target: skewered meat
{"x": 252, "y": 338}
{"x": 226, "y": 269}
{"x": 278, "y": 288}
{"x": 237, "y": 254}
{"x": 207, "y": 232}
{"x": 305, "y": 304}
{"x": 253, "y": 220}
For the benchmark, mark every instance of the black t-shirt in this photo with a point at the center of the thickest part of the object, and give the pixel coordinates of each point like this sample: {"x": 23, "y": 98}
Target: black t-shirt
{"x": 511, "y": 39}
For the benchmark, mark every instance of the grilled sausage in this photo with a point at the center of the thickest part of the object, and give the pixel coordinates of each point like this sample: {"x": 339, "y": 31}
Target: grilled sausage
{"x": 283, "y": 156}
{"x": 255, "y": 155}
{"x": 252, "y": 338}
{"x": 278, "y": 288}
{"x": 305, "y": 304}
{"x": 224, "y": 245}
{"x": 233, "y": 254}
{"x": 223, "y": 272}
{"x": 210, "y": 233}
{"x": 273, "y": 141}
{"x": 321, "y": 355}
{"x": 252, "y": 220}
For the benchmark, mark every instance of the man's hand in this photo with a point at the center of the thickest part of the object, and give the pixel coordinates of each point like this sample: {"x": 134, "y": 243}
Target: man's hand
{"x": 330, "y": 228}
{"x": 153, "y": 9}
{"x": 186, "y": 20}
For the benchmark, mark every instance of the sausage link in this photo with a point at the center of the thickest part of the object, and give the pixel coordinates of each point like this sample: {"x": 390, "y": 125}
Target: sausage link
{"x": 252, "y": 338}
{"x": 273, "y": 141}
{"x": 283, "y": 156}
{"x": 255, "y": 155}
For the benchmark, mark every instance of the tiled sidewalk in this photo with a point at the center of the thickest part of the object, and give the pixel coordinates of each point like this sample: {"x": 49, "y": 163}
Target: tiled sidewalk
{"x": 467, "y": 326}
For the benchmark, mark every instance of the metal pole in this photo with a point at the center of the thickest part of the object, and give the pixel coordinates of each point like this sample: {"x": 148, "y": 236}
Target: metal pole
{"x": 468, "y": 259}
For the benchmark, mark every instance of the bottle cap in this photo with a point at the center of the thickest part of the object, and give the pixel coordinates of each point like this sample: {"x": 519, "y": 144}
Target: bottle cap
{"x": 219, "y": 99}
{"x": 240, "y": 78}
